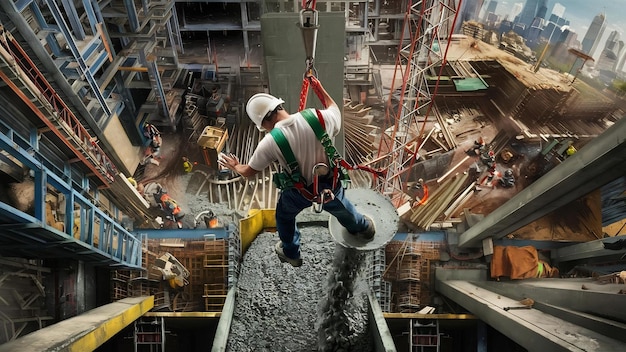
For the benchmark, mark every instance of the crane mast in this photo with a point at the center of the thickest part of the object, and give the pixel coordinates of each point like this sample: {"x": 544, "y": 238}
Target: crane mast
{"x": 427, "y": 28}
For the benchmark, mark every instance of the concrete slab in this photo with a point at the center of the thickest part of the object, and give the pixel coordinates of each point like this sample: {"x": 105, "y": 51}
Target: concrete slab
{"x": 85, "y": 332}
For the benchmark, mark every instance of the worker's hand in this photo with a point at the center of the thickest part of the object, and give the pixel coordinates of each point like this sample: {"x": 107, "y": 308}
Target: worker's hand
{"x": 228, "y": 161}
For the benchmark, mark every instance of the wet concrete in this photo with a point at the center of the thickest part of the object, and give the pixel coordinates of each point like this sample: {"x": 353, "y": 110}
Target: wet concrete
{"x": 320, "y": 306}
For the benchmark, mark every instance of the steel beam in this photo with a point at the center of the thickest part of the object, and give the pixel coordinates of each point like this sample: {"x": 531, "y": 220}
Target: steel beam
{"x": 579, "y": 294}
{"x": 589, "y": 250}
{"x": 85, "y": 332}
{"x": 602, "y": 160}
{"x": 530, "y": 328}
{"x": 84, "y": 68}
{"x": 43, "y": 176}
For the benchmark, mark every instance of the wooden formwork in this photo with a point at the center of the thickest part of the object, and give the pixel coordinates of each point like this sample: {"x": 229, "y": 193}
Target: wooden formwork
{"x": 215, "y": 253}
{"x": 426, "y": 249}
{"x": 207, "y": 261}
{"x": 214, "y": 297}
{"x": 119, "y": 284}
{"x": 410, "y": 272}
{"x": 425, "y": 282}
{"x": 409, "y": 296}
{"x": 410, "y": 268}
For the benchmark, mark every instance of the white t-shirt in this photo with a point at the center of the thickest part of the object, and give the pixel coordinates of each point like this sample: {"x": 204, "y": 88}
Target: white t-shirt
{"x": 305, "y": 146}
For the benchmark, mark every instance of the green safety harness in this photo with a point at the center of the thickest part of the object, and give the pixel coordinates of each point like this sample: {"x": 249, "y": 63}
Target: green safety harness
{"x": 286, "y": 180}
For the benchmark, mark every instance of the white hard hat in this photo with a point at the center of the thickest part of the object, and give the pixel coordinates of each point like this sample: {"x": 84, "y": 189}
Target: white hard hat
{"x": 259, "y": 105}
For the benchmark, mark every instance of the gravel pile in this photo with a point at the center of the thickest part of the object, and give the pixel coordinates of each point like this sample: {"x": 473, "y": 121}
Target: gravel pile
{"x": 320, "y": 306}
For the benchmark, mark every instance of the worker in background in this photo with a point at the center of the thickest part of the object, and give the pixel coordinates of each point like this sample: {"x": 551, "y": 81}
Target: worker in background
{"x": 187, "y": 165}
{"x": 488, "y": 158}
{"x": 152, "y": 152}
{"x": 570, "y": 150}
{"x": 172, "y": 210}
{"x": 507, "y": 181}
{"x": 267, "y": 112}
{"x": 478, "y": 148}
{"x": 132, "y": 182}
{"x": 153, "y": 135}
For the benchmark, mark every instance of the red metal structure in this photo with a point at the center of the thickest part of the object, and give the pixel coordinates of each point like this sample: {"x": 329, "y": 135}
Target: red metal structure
{"x": 428, "y": 27}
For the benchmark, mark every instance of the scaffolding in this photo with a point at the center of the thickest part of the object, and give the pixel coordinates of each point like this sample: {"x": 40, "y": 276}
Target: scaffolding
{"x": 409, "y": 272}
{"x": 380, "y": 287}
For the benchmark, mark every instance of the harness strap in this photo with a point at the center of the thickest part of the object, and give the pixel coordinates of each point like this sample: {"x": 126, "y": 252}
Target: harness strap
{"x": 285, "y": 148}
{"x": 338, "y": 163}
{"x": 293, "y": 178}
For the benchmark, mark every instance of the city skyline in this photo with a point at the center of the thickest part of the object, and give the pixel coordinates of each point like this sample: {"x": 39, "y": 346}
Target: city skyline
{"x": 580, "y": 13}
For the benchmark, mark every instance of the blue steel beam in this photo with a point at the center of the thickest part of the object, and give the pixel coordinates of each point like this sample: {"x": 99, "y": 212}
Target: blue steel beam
{"x": 72, "y": 16}
{"x": 43, "y": 177}
{"x": 153, "y": 71}
{"x": 219, "y": 232}
{"x": 58, "y": 17}
{"x": 131, "y": 11}
{"x": 176, "y": 29}
{"x": 20, "y": 5}
{"x": 91, "y": 16}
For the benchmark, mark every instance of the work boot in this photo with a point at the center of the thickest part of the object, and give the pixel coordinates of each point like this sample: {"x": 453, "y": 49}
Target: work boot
{"x": 283, "y": 258}
{"x": 369, "y": 232}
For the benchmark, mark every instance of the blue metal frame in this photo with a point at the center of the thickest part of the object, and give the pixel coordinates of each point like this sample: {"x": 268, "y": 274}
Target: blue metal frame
{"x": 116, "y": 245}
{"x": 58, "y": 17}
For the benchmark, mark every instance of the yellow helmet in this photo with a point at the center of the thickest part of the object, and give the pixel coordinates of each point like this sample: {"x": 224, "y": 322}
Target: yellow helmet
{"x": 259, "y": 106}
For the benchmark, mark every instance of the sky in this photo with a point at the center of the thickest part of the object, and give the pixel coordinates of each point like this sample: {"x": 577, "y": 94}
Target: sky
{"x": 580, "y": 13}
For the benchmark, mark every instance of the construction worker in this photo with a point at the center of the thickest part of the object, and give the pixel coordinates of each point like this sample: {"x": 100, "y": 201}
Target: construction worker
{"x": 153, "y": 135}
{"x": 152, "y": 151}
{"x": 267, "y": 112}
{"x": 570, "y": 150}
{"x": 187, "y": 165}
{"x": 170, "y": 207}
{"x": 508, "y": 180}
{"x": 488, "y": 157}
{"x": 478, "y": 148}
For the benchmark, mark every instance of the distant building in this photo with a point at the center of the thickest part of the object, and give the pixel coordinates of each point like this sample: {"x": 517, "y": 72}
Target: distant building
{"x": 473, "y": 29}
{"x": 593, "y": 35}
{"x": 558, "y": 10}
{"x": 469, "y": 11}
{"x": 559, "y": 21}
{"x": 568, "y": 39}
{"x": 505, "y": 26}
{"x": 491, "y": 9}
{"x": 534, "y": 32}
{"x": 531, "y": 10}
{"x": 519, "y": 29}
{"x": 492, "y": 19}
{"x": 591, "y": 39}
{"x": 609, "y": 56}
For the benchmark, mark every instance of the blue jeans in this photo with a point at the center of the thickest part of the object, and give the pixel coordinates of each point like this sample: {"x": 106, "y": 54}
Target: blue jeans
{"x": 291, "y": 203}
